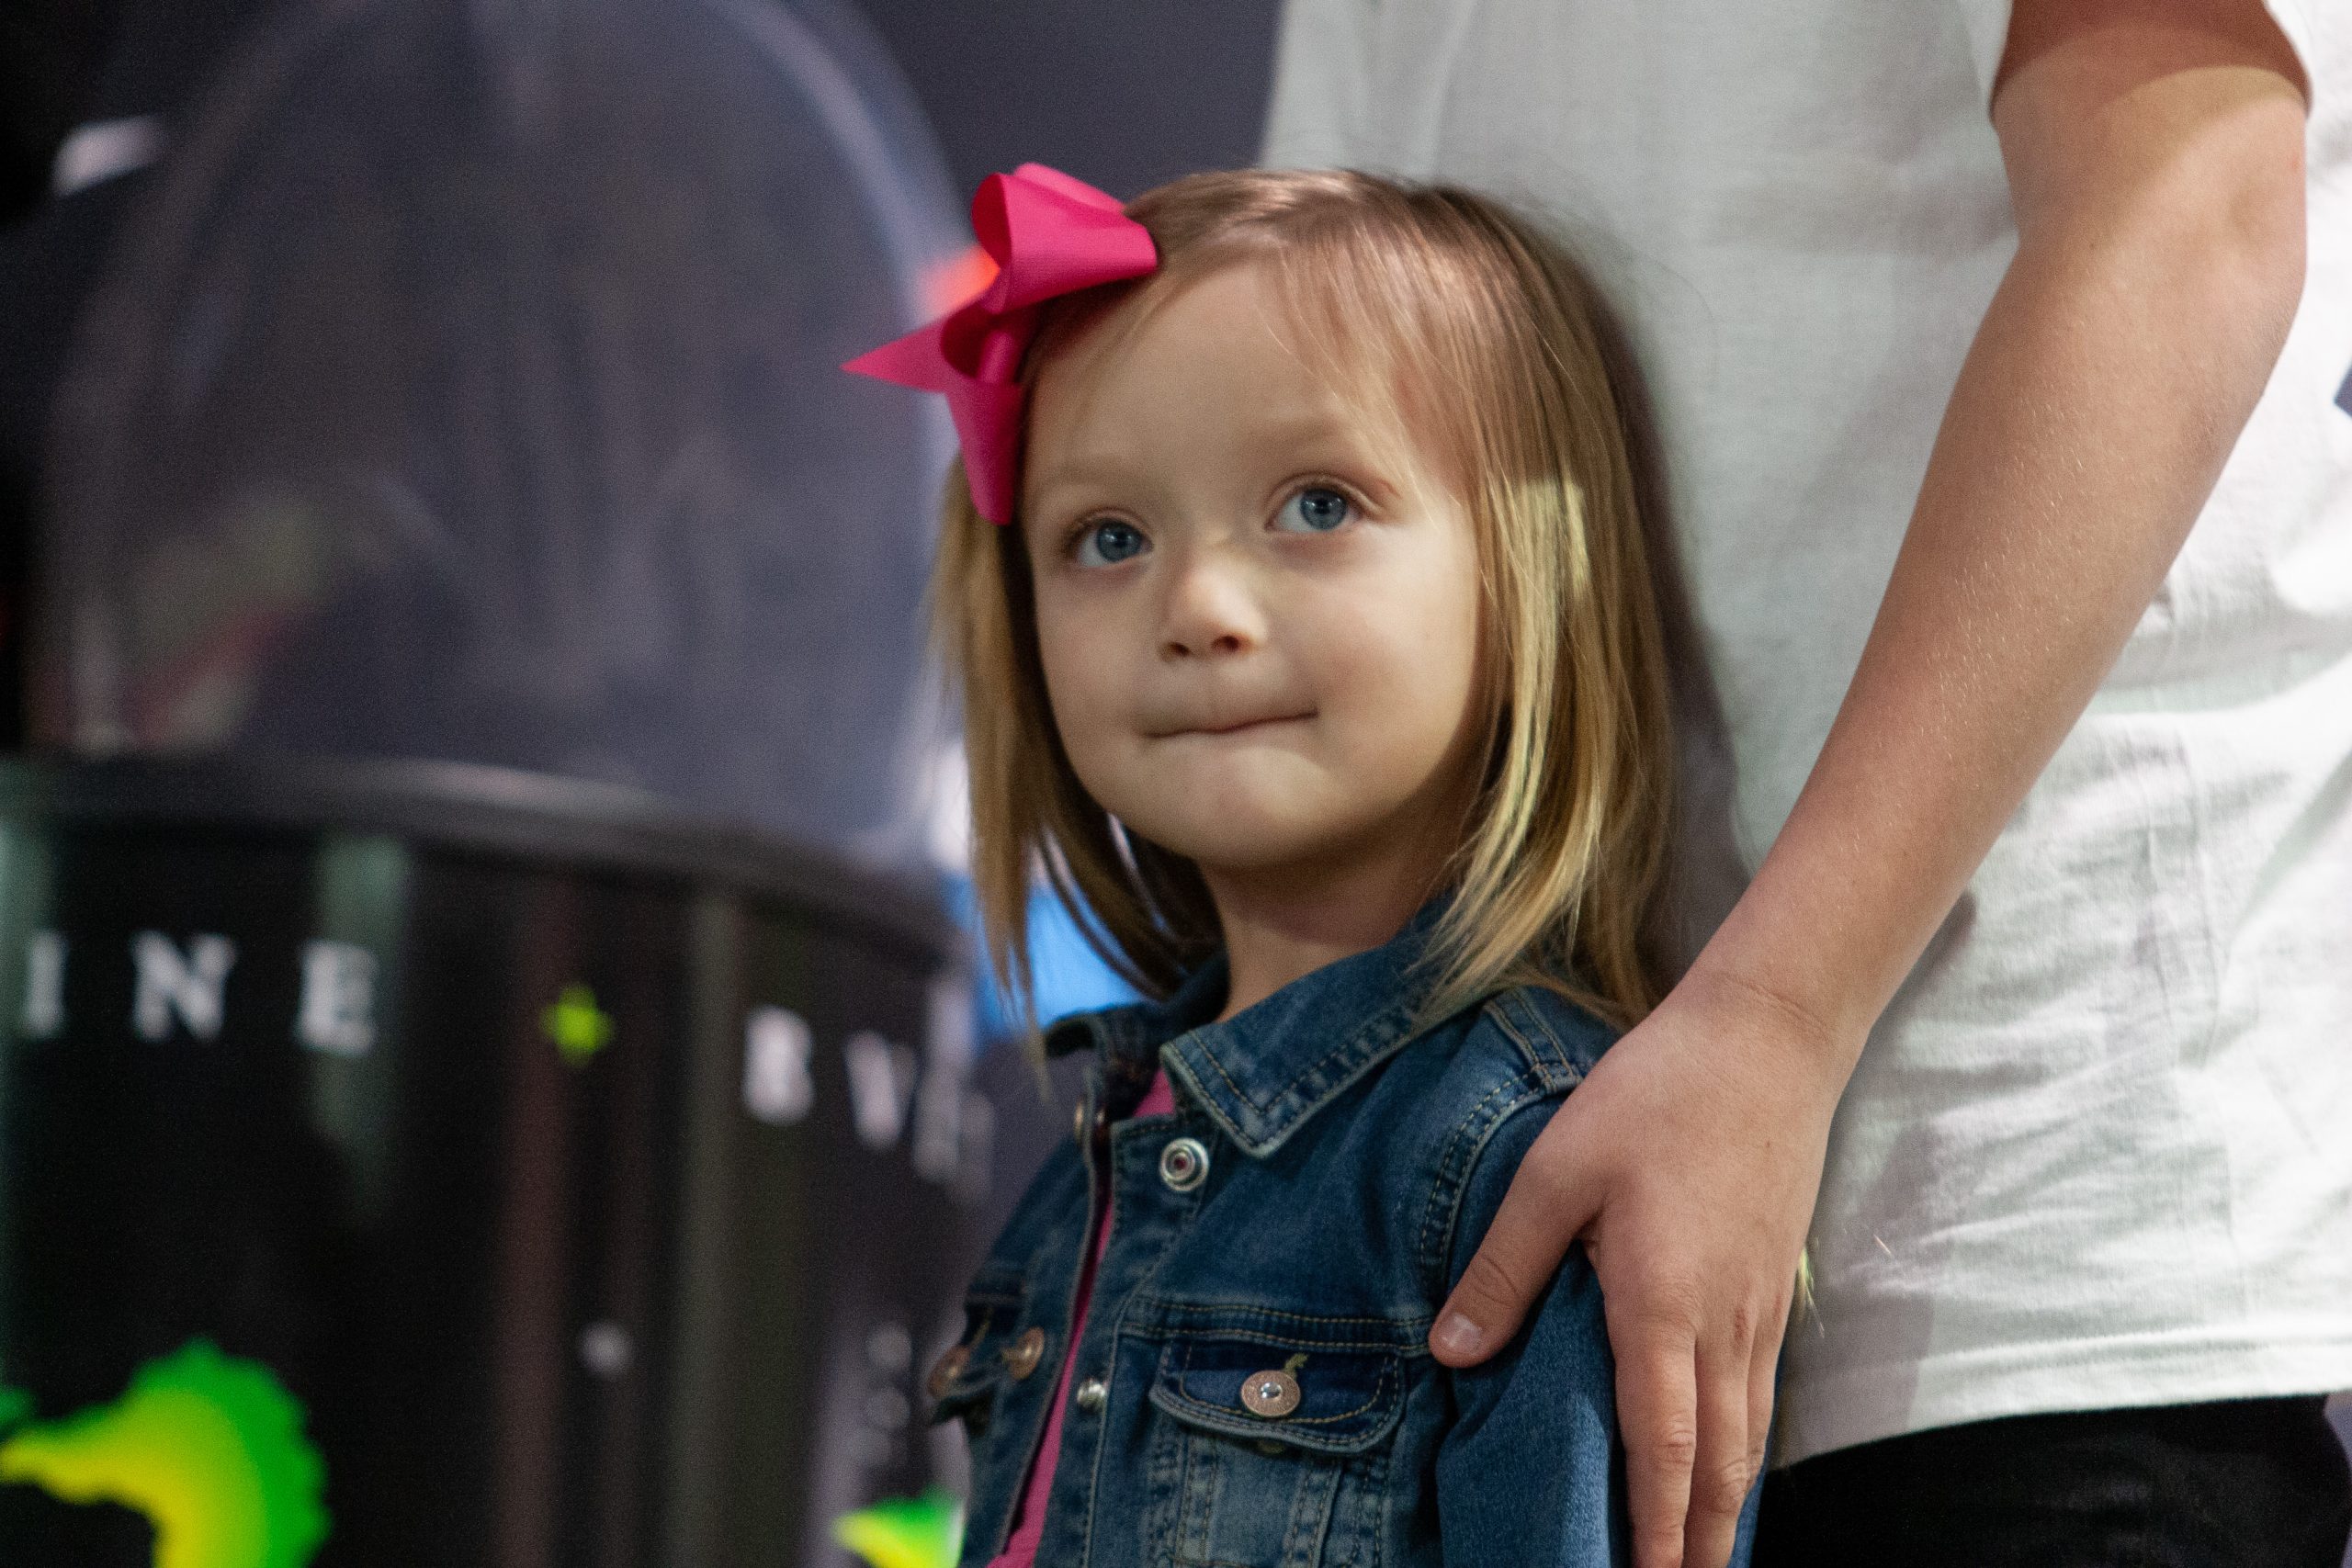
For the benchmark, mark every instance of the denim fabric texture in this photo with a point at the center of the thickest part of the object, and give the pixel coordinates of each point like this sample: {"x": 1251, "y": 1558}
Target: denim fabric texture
{"x": 1352, "y": 1166}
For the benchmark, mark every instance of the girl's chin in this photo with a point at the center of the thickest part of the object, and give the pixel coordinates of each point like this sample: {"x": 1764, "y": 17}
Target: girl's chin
{"x": 1242, "y": 807}
{"x": 1236, "y": 844}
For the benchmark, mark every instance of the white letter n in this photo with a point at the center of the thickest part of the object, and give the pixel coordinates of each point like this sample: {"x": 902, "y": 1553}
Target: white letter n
{"x": 169, "y": 983}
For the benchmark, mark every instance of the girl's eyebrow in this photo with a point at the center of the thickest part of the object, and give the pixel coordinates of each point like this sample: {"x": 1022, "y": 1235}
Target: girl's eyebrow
{"x": 1084, "y": 476}
{"x": 1315, "y": 428}
{"x": 1307, "y": 435}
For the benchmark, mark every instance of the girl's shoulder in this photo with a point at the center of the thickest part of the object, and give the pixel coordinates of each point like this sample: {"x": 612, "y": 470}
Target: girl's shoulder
{"x": 1451, "y": 1115}
{"x": 1523, "y": 1047}
{"x": 1545, "y": 1036}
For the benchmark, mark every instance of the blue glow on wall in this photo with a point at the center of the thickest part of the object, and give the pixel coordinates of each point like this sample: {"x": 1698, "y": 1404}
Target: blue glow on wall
{"x": 1067, "y": 975}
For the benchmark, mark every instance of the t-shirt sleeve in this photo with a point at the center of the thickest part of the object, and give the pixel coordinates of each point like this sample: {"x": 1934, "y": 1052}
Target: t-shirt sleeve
{"x": 1323, "y": 53}
{"x": 1529, "y": 1471}
{"x": 1987, "y": 23}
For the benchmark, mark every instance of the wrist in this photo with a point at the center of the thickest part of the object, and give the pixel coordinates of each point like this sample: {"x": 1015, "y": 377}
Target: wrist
{"x": 1830, "y": 925}
{"x": 1825, "y": 1037}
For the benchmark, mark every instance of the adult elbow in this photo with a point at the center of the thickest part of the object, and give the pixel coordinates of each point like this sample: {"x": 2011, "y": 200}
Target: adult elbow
{"x": 2217, "y": 238}
{"x": 2266, "y": 237}
{"x": 2250, "y": 247}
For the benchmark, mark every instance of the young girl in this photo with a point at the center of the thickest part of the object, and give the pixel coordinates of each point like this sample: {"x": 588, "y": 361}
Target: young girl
{"x": 1306, "y": 641}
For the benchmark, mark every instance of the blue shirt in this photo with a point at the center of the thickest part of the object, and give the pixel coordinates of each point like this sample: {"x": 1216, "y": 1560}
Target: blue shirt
{"x": 1253, "y": 1386}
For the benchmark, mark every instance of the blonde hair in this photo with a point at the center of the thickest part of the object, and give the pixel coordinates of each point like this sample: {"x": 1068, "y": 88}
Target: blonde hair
{"x": 1487, "y": 342}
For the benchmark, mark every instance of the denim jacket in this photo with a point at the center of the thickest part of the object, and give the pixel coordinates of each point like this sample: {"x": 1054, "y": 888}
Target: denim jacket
{"x": 1253, "y": 1388}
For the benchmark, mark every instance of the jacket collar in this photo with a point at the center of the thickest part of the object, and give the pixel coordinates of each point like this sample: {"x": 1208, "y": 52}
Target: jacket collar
{"x": 1268, "y": 1069}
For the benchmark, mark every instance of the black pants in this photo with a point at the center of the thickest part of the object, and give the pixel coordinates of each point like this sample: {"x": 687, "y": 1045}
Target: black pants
{"x": 2250, "y": 1483}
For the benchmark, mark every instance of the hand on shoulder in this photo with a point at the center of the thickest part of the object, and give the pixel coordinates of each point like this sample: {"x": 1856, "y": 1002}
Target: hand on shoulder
{"x": 1688, "y": 1162}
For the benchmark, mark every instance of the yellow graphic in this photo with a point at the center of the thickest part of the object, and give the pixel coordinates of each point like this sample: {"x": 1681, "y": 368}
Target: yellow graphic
{"x": 577, "y": 1025}
{"x": 208, "y": 1447}
{"x": 905, "y": 1532}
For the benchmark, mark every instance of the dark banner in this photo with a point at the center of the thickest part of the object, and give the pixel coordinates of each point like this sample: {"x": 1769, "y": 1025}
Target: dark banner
{"x": 383, "y": 1181}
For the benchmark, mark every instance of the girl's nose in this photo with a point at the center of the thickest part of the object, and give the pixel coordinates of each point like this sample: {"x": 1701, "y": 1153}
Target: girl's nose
{"x": 1209, "y": 611}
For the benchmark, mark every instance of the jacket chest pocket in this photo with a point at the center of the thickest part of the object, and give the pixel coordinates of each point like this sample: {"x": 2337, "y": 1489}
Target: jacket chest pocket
{"x": 1271, "y": 1453}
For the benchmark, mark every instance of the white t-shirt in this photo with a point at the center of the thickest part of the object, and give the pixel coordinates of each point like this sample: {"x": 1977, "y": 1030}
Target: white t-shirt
{"x": 2099, "y": 1152}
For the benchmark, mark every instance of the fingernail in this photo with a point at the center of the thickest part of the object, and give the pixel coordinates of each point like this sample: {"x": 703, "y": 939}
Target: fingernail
{"x": 1457, "y": 1335}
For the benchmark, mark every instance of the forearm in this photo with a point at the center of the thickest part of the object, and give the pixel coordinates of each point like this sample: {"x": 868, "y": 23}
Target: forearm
{"x": 2112, "y": 373}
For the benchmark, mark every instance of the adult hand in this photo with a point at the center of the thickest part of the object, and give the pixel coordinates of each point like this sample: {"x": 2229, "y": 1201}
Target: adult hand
{"x": 1688, "y": 1162}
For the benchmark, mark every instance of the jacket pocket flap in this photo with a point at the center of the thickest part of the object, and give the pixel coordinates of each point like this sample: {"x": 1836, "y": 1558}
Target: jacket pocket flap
{"x": 1328, "y": 1401}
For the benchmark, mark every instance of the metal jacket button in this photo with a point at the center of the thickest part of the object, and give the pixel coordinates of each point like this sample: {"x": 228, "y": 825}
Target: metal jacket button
{"x": 1273, "y": 1394}
{"x": 1184, "y": 1165}
{"x": 1092, "y": 1393}
{"x": 947, "y": 1369}
{"x": 1022, "y": 1356}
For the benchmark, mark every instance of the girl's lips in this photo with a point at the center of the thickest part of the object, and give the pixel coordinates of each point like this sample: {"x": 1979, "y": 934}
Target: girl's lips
{"x": 1236, "y": 728}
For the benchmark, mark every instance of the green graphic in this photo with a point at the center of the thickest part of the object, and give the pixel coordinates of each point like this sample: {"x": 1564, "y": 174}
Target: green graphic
{"x": 905, "y": 1532}
{"x": 208, "y": 1447}
{"x": 579, "y": 1028}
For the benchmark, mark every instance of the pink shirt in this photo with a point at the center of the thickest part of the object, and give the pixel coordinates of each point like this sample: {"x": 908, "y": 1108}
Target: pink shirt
{"x": 1021, "y": 1550}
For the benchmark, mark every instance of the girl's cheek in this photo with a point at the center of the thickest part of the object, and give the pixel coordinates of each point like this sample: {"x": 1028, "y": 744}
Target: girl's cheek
{"x": 1082, "y": 683}
{"x": 1056, "y": 634}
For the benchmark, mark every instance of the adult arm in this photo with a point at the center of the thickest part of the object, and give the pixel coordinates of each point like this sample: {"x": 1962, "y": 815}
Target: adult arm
{"x": 2155, "y": 156}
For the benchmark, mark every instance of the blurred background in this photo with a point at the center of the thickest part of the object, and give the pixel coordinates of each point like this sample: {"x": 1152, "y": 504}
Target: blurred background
{"x": 489, "y": 1014}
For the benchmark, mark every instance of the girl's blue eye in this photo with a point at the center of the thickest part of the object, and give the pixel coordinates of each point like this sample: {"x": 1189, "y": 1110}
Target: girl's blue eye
{"x": 1109, "y": 542}
{"x": 1315, "y": 510}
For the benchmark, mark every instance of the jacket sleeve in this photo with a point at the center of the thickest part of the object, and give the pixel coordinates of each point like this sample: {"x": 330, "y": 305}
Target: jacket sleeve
{"x": 1529, "y": 1471}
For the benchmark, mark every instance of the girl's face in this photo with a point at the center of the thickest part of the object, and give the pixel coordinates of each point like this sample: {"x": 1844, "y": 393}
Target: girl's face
{"x": 1259, "y": 620}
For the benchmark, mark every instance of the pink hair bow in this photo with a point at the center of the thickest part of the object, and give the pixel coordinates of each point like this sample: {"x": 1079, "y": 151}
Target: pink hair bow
{"x": 1049, "y": 234}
